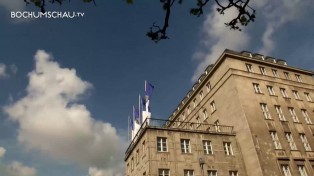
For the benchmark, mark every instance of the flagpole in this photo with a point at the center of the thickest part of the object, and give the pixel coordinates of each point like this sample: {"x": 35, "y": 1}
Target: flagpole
{"x": 139, "y": 108}
{"x": 145, "y": 86}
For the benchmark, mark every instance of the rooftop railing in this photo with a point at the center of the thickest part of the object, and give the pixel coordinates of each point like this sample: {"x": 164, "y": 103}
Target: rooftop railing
{"x": 180, "y": 126}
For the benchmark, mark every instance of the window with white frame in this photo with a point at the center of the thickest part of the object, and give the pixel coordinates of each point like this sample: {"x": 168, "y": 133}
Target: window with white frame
{"x": 162, "y": 144}
{"x": 257, "y": 89}
{"x": 132, "y": 164}
{"x": 280, "y": 113}
{"x": 290, "y": 141}
{"x": 143, "y": 147}
{"x": 306, "y": 116}
{"x": 249, "y": 67}
{"x": 270, "y": 90}
{"x": 283, "y": 93}
{"x": 163, "y": 172}
{"x": 275, "y": 139}
{"x": 287, "y": 76}
{"x": 185, "y": 146}
{"x": 228, "y": 148}
{"x": 296, "y": 94}
{"x": 212, "y": 173}
{"x": 189, "y": 109}
{"x": 306, "y": 144}
{"x": 263, "y": 70}
{"x": 265, "y": 111}
{"x": 308, "y": 97}
{"x": 302, "y": 170}
{"x": 293, "y": 114}
{"x": 183, "y": 116}
{"x": 208, "y": 86}
{"x": 233, "y": 173}
{"x": 188, "y": 172}
{"x": 298, "y": 77}
{"x": 201, "y": 95}
{"x": 207, "y": 147}
{"x": 275, "y": 73}
{"x": 213, "y": 106}
{"x": 205, "y": 114}
{"x": 194, "y": 103}
{"x": 285, "y": 169}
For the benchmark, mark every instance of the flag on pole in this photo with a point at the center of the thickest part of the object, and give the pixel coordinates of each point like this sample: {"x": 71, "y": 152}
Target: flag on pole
{"x": 148, "y": 89}
{"x": 131, "y": 123}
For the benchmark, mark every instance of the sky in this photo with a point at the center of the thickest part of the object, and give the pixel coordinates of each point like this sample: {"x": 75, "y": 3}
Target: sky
{"x": 69, "y": 85}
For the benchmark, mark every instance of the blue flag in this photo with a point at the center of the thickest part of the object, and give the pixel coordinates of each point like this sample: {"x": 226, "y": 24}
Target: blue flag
{"x": 149, "y": 89}
{"x": 144, "y": 105}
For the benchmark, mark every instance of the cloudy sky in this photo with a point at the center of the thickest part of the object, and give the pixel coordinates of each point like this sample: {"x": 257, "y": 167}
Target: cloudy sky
{"x": 68, "y": 85}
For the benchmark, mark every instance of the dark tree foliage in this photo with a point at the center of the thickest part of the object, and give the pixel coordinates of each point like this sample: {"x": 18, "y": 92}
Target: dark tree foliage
{"x": 245, "y": 13}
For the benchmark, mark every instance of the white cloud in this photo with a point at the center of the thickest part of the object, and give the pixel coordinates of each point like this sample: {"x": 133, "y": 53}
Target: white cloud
{"x": 18, "y": 169}
{"x": 217, "y": 37}
{"x": 3, "y": 69}
{"x": 277, "y": 14}
{"x": 13, "y": 5}
{"x": 2, "y": 152}
{"x": 93, "y": 171}
{"x": 54, "y": 123}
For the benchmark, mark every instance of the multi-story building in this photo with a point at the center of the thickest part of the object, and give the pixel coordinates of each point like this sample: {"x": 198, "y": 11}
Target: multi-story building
{"x": 246, "y": 115}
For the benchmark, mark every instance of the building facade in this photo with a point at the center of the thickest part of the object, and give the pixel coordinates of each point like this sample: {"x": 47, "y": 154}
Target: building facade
{"x": 246, "y": 115}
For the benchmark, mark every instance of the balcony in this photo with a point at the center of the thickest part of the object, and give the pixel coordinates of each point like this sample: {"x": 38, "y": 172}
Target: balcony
{"x": 178, "y": 126}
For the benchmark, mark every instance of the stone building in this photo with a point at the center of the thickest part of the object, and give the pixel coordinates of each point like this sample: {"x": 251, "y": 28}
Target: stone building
{"x": 246, "y": 115}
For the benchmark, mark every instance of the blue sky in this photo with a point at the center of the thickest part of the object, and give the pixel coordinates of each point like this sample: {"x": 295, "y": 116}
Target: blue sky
{"x": 68, "y": 85}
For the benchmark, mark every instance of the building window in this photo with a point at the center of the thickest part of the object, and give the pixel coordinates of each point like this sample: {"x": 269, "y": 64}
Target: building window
{"x": 306, "y": 116}
{"x": 209, "y": 87}
{"x": 228, "y": 148}
{"x": 194, "y": 103}
{"x": 188, "y": 172}
{"x": 189, "y": 109}
{"x": 263, "y": 70}
{"x": 132, "y": 164}
{"x": 128, "y": 168}
{"x": 198, "y": 121}
{"x": 275, "y": 73}
{"x": 265, "y": 111}
{"x": 137, "y": 158}
{"x": 183, "y": 116}
{"x": 143, "y": 147}
{"x": 161, "y": 144}
{"x": 280, "y": 113}
{"x": 302, "y": 170}
{"x": 285, "y": 169}
{"x": 257, "y": 88}
{"x": 163, "y": 172}
{"x": 201, "y": 95}
{"x": 207, "y": 147}
{"x": 299, "y": 79}
{"x": 296, "y": 94}
{"x": 308, "y": 97}
{"x": 306, "y": 144}
{"x": 283, "y": 93}
{"x": 287, "y": 76}
{"x": 205, "y": 114}
{"x": 291, "y": 141}
{"x": 275, "y": 139}
{"x": 185, "y": 146}
{"x": 233, "y": 173}
{"x": 212, "y": 173}
{"x": 213, "y": 106}
{"x": 293, "y": 114}
{"x": 249, "y": 67}
{"x": 271, "y": 90}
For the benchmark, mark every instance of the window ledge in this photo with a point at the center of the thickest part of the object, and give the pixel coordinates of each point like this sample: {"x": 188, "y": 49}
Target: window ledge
{"x": 213, "y": 111}
{"x": 298, "y": 99}
{"x": 273, "y": 95}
